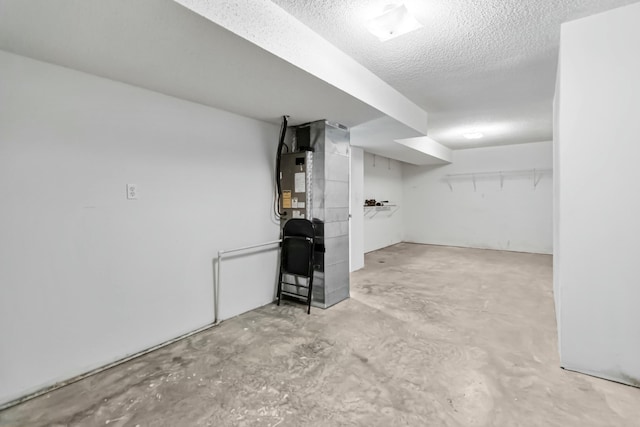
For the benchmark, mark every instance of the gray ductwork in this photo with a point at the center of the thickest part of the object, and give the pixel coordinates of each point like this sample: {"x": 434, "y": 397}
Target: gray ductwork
{"x": 315, "y": 185}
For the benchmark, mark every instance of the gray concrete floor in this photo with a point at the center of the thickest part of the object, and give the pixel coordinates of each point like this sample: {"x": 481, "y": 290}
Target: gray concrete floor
{"x": 432, "y": 336}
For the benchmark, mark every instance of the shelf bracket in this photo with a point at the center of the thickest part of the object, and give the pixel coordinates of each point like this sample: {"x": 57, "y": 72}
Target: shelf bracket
{"x": 536, "y": 179}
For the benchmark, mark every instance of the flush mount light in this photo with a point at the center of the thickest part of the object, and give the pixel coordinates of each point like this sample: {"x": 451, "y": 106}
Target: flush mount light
{"x": 394, "y": 21}
{"x": 473, "y": 135}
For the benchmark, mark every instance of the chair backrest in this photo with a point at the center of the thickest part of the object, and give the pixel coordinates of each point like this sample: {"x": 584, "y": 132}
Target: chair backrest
{"x": 298, "y": 227}
{"x": 297, "y": 256}
{"x": 298, "y": 238}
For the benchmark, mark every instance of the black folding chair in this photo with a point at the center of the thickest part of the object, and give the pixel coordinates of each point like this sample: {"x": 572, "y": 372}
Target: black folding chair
{"x": 296, "y": 261}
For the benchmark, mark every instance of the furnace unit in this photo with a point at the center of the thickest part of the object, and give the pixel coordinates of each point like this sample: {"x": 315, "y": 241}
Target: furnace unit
{"x": 314, "y": 183}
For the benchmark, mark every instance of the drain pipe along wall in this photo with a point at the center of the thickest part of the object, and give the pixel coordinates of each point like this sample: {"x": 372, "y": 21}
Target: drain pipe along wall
{"x": 89, "y": 276}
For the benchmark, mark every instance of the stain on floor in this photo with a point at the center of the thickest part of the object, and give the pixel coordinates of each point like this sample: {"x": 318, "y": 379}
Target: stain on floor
{"x": 432, "y": 336}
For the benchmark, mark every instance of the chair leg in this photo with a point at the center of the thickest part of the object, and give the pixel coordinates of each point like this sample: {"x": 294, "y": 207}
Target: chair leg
{"x": 310, "y": 293}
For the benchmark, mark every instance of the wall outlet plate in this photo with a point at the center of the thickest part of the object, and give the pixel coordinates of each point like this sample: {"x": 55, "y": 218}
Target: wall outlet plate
{"x": 132, "y": 191}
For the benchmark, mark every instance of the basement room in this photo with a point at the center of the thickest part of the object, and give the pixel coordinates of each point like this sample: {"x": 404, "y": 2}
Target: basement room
{"x": 319, "y": 213}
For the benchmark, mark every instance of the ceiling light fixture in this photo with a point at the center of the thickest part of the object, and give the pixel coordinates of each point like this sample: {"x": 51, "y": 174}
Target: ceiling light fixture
{"x": 394, "y": 21}
{"x": 473, "y": 135}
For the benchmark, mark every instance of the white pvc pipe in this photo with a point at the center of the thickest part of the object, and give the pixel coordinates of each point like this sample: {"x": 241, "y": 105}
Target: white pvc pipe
{"x": 77, "y": 378}
{"x": 216, "y": 288}
{"x": 220, "y": 253}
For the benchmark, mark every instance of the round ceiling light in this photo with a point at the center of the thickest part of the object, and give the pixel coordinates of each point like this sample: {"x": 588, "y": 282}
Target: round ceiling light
{"x": 473, "y": 135}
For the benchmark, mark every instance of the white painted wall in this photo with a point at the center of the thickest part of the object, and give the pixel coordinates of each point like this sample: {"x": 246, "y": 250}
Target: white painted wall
{"x": 356, "y": 223}
{"x": 516, "y": 217}
{"x": 382, "y": 181}
{"x": 598, "y": 200}
{"x": 87, "y": 276}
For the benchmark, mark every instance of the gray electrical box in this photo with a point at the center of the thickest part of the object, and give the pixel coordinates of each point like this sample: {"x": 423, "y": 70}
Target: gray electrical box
{"x": 315, "y": 186}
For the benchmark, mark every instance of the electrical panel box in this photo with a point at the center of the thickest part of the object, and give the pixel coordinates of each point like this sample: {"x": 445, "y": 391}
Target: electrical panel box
{"x": 295, "y": 182}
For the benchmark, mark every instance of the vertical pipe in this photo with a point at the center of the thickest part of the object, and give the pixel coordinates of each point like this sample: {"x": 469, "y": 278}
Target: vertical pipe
{"x": 216, "y": 288}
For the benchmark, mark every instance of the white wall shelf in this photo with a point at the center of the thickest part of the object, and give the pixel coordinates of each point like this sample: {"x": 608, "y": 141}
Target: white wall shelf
{"x": 372, "y": 211}
{"x": 535, "y": 175}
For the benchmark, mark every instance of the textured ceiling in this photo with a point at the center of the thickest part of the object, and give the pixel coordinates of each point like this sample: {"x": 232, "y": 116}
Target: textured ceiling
{"x": 488, "y": 65}
{"x": 162, "y": 46}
